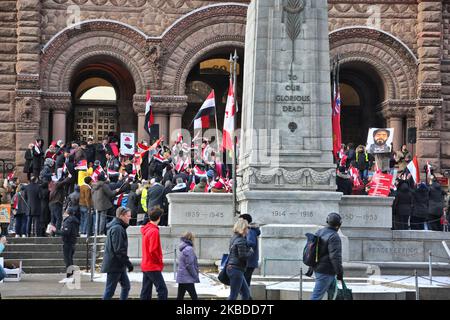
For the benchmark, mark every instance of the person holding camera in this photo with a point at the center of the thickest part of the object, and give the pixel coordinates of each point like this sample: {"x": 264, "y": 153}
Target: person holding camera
{"x": 116, "y": 260}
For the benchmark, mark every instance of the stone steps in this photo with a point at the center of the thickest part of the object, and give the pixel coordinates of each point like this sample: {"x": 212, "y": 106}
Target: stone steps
{"x": 45, "y": 255}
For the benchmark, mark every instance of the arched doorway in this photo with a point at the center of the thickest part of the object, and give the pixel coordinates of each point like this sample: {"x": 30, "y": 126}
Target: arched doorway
{"x": 362, "y": 93}
{"x": 212, "y": 72}
{"x": 102, "y": 94}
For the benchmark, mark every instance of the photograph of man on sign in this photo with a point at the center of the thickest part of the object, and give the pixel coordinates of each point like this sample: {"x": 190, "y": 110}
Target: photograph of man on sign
{"x": 380, "y": 140}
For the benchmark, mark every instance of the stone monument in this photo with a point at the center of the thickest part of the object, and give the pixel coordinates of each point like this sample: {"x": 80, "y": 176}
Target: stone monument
{"x": 286, "y": 163}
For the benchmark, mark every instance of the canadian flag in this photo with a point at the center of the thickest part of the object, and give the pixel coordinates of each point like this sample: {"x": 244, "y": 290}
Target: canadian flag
{"x": 413, "y": 168}
{"x": 228, "y": 125}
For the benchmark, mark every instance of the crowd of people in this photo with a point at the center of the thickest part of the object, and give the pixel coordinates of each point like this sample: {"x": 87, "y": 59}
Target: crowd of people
{"x": 417, "y": 206}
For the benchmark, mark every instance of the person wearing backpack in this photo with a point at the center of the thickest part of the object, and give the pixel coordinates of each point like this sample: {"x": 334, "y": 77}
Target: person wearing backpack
{"x": 329, "y": 267}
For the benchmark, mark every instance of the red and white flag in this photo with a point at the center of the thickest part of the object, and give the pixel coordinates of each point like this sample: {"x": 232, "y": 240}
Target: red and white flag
{"x": 149, "y": 119}
{"x": 158, "y": 157}
{"x": 37, "y": 148}
{"x": 413, "y": 168}
{"x": 99, "y": 170}
{"x": 354, "y": 172}
{"x": 228, "y": 125}
{"x": 336, "y": 114}
{"x": 199, "y": 173}
{"x": 429, "y": 167}
{"x": 201, "y": 119}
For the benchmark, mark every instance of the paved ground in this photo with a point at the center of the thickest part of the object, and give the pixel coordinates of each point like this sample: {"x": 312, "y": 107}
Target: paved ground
{"x": 46, "y": 286}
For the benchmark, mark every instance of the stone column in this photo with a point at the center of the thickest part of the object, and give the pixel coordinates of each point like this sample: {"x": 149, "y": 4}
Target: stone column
{"x": 60, "y": 103}
{"x": 45, "y": 115}
{"x": 429, "y": 103}
{"x": 162, "y": 119}
{"x": 59, "y": 125}
{"x": 397, "y": 125}
{"x": 175, "y": 122}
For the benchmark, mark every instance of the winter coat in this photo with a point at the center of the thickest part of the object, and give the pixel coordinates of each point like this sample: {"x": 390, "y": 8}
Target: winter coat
{"x": 403, "y": 200}
{"x": 22, "y": 205}
{"x": 362, "y": 161}
{"x": 252, "y": 240}
{"x": 181, "y": 175}
{"x": 436, "y": 202}
{"x": 32, "y": 197}
{"x": 90, "y": 153}
{"x": 240, "y": 252}
{"x": 115, "y": 258}
{"x": 85, "y": 196}
{"x": 28, "y": 166}
{"x": 74, "y": 199}
{"x": 70, "y": 229}
{"x": 330, "y": 252}
{"x": 133, "y": 202}
{"x": 344, "y": 183}
{"x": 113, "y": 165}
{"x": 58, "y": 193}
{"x": 179, "y": 188}
{"x": 152, "y": 257}
{"x": 420, "y": 202}
{"x": 100, "y": 153}
{"x": 188, "y": 271}
{"x": 38, "y": 158}
{"x": 155, "y": 196}
{"x": 102, "y": 196}
{"x": 80, "y": 154}
{"x": 45, "y": 210}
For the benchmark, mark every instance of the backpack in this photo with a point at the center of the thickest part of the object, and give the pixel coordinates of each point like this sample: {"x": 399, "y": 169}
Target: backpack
{"x": 311, "y": 250}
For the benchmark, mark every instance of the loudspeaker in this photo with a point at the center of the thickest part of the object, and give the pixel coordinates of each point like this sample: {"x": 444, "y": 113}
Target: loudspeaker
{"x": 154, "y": 133}
{"x": 412, "y": 135}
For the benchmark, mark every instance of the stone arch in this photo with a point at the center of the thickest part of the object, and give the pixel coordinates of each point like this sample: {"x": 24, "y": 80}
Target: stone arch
{"x": 393, "y": 60}
{"x": 195, "y": 36}
{"x": 66, "y": 51}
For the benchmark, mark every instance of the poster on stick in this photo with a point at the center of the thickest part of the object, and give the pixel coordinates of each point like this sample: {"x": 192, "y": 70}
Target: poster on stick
{"x": 126, "y": 143}
{"x": 380, "y": 185}
{"x": 5, "y": 213}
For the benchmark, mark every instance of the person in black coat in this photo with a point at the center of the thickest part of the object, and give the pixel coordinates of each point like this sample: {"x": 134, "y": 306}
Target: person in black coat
{"x": 100, "y": 152}
{"x": 45, "y": 209}
{"x": 69, "y": 233}
{"x": 420, "y": 207}
{"x": 90, "y": 150}
{"x": 28, "y": 166}
{"x": 32, "y": 197}
{"x": 435, "y": 206}
{"x": 155, "y": 195}
{"x": 402, "y": 206}
{"x": 38, "y": 157}
{"x": 344, "y": 182}
{"x": 115, "y": 259}
{"x": 133, "y": 203}
{"x": 21, "y": 212}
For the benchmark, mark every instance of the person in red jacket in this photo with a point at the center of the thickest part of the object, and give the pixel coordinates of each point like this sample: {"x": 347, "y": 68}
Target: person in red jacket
{"x": 152, "y": 258}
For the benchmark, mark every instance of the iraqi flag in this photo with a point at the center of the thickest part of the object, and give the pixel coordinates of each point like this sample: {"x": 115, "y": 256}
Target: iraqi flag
{"x": 37, "y": 148}
{"x": 97, "y": 172}
{"x": 200, "y": 173}
{"x": 158, "y": 157}
{"x": 201, "y": 119}
{"x": 182, "y": 165}
{"x": 413, "y": 168}
{"x": 228, "y": 125}
{"x": 82, "y": 165}
{"x": 149, "y": 119}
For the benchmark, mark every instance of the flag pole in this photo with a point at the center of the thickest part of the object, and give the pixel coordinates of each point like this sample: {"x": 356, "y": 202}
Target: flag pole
{"x": 215, "y": 118}
{"x": 235, "y": 210}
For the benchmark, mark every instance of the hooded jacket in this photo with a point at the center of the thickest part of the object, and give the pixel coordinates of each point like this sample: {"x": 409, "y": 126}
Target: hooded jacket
{"x": 70, "y": 229}
{"x": 152, "y": 257}
{"x": 187, "y": 263}
{"x": 240, "y": 252}
{"x": 116, "y": 257}
{"x": 330, "y": 252}
{"x": 403, "y": 200}
{"x": 436, "y": 203}
{"x": 102, "y": 196}
{"x": 252, "y": 240}
{"x": 420, "y": 201}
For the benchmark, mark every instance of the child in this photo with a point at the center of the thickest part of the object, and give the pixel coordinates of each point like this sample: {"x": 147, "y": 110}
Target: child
{"x": 188, "y": 270}
{"x": 69, "y": 232}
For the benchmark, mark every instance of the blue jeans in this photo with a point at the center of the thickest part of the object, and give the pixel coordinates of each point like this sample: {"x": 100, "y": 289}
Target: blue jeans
{"x": 57, "y": 212}
{"x": 84, "y": 213}
{"x": 2, "y": 273}
{"x": 111, "y": 283}
{"x": 21, "y": 224}
{"x": 153, "y": 278}
{"x": 324, "y": 282}
{"x": 102, "y": 222}
{"x": 237, "y": 284}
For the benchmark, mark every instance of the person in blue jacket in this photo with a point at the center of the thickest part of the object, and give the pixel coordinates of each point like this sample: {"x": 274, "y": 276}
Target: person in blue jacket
{"x": 252, "y": 241}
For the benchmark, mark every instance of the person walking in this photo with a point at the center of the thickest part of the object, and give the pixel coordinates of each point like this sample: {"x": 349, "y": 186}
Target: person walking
{"x": 69, "y": 233}
{"x": 252, "y": 240}
{"x": 116, "y": 260}
{"x": 329, "y": 267}
{"x": 152, "y": 257}
{"x": 188, "y": 270}
{"x": 238, "y": 257}
{"x": 102, "y": 197}
{"x": 32, "y": 197}
{"x": 435, "y": 206}
{"x": 420, "y": 207}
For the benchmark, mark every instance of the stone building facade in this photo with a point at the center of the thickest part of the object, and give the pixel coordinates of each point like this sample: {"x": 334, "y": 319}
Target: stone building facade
{"x": 394, "y": 54}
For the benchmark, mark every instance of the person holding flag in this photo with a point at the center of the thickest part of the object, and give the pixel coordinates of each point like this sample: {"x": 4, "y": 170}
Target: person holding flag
{"x": 38, "y": 157}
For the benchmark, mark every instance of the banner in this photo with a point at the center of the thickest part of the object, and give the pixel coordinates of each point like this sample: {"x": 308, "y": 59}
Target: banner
{"x": 127, "y": 144}
{"x": 5, "y": 213}
{"x": 380, "y": 185}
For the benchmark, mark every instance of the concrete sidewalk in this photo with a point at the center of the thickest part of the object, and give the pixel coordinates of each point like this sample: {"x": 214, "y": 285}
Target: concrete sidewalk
{"x": 46, "y": 286}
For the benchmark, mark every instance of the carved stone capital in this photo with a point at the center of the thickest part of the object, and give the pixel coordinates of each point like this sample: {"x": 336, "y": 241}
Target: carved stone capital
{"x": 27, "y": 113}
